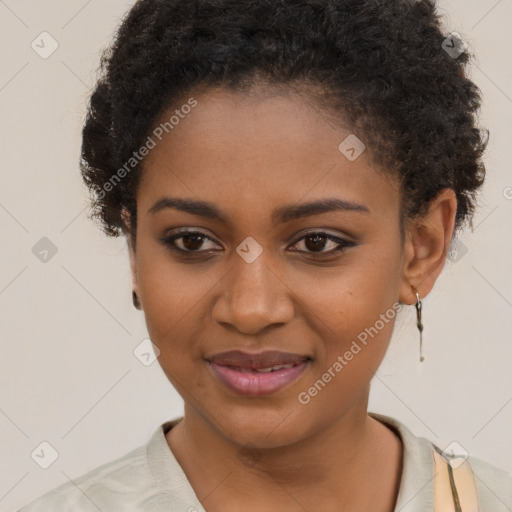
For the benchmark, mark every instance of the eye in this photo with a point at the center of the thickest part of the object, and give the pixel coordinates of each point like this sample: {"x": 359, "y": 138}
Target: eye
{"x": 189, "y": 242}
{"x": 317, "y": 241}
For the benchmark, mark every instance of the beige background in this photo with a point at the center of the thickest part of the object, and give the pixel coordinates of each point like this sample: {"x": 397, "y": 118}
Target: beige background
{"x": 68, "y": 374}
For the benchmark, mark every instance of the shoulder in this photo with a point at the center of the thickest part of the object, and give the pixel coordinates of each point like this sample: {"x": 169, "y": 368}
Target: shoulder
{"x": 118, "y": 480}
{"x": 146, "y": 478}
{"x": 494, "y": 486}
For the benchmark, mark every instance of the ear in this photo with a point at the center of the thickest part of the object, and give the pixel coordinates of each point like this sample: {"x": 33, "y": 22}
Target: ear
{"x": 130, "y": 240}
{"x": 427, "y": 241}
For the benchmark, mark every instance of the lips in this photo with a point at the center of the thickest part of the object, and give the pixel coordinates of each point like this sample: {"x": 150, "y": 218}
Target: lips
{"x": 257, "y": 374}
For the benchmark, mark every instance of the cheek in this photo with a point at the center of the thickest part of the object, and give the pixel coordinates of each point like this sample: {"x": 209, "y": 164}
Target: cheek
{"x": 355, "y": 334}
{"x": 354, "y": 309}
{"x": 352, "y": 296}
{"x": 174, "y": 298}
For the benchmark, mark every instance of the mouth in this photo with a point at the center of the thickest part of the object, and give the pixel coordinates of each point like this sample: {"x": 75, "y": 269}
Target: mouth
{"x": 257, "y": 374}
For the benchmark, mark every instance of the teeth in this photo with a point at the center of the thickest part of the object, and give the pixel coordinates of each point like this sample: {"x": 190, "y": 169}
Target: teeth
{"x": 274, "y": 368}
{"x": 264, "y": 370}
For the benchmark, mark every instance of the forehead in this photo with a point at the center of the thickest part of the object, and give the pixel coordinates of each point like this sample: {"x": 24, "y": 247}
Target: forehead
{"x": 247, "y": 152}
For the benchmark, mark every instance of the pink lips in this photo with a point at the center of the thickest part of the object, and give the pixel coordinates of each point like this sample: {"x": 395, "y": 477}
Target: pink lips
{"x": 239, "y": 371}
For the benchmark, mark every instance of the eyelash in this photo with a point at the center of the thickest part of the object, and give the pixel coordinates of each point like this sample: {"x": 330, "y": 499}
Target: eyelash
{"x": 343, "y": 244}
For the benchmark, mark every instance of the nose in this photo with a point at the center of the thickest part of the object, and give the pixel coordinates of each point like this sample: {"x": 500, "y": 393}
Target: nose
{"x": 254, "y": 296}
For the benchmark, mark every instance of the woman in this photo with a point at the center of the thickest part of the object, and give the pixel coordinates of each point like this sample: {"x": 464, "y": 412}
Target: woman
{"x": 288, "y": 176}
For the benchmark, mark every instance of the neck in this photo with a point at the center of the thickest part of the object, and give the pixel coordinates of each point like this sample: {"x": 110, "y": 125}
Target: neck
{"x": 351, "y": 463}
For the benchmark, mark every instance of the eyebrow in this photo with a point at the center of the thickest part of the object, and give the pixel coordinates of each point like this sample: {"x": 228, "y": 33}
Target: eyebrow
{"x": 280, "y": 215}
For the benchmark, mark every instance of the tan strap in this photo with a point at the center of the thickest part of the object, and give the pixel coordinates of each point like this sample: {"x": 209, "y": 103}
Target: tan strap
{"x": 454, "y": 486}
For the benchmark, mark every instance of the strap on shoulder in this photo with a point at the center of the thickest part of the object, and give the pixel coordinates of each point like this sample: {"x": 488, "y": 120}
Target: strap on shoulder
{"x": 454, "y": 487}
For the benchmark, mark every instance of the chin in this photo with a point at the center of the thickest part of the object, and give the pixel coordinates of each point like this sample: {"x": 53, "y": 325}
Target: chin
{"x": 262, "y": 428}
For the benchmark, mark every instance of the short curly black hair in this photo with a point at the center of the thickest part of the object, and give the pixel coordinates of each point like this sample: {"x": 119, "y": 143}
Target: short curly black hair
{"x": 382, "y": 67}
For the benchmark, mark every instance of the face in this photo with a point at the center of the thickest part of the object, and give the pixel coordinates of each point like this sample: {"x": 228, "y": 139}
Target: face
{"x": 259, "y": 271}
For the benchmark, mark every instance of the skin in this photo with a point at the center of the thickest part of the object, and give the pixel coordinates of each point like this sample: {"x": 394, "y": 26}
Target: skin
{"x": 249, "y": 155}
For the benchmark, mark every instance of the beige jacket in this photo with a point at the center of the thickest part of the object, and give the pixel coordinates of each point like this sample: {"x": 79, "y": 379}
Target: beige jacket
{"x": 150, "y": 479}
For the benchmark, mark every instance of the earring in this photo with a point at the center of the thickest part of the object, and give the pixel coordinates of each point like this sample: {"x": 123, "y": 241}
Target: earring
{"x": 418, "y": 322}
{"x": 135, "y": 299}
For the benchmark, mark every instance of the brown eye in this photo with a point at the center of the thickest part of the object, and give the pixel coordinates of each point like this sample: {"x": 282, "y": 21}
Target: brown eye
{"x": 317, "y": 242}
{"x": 192, "y": 242}
{"x": 189, "y": 242}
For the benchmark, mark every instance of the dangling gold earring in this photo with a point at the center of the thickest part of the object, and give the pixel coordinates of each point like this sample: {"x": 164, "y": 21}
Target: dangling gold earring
{"x": 418, "y": 322}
